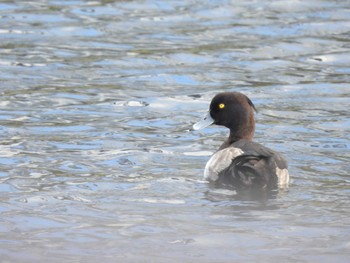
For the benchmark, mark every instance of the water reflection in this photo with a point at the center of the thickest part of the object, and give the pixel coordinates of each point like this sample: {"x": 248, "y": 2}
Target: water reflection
{"x": 216, "y": 194}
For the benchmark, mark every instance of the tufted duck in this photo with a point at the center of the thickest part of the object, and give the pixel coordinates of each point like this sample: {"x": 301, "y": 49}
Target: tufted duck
{"x": 241, "y": 163}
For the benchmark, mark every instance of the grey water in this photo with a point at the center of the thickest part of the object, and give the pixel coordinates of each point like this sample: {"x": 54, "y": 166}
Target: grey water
{"x": 97, "y": 160}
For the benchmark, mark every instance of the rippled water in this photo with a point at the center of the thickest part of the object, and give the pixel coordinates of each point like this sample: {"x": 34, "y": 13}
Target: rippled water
{"x": 97, "y": 161}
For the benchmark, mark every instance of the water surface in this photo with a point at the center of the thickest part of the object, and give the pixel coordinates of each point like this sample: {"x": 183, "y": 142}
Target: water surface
{"x": 97, "y": 98}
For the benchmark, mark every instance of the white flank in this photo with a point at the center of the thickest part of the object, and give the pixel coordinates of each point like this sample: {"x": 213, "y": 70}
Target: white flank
{"x": 283, "y": 176}
{"x": 219, "y": 162}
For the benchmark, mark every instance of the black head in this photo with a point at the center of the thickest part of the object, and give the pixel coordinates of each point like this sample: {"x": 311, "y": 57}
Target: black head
{"x": 235, "y": 111}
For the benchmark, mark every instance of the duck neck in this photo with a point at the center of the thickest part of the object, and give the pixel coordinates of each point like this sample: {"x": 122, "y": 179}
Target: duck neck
{"x": 234, "y": 138}
{"x": 241, "y": 134}
{"x": 245, "y": 132}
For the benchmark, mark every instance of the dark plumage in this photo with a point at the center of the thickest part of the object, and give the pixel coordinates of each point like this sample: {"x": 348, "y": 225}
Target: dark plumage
{"x": 241, "y": 163}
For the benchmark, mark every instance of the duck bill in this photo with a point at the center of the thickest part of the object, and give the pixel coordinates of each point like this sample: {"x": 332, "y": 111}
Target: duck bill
{"x": 208, "y": 120}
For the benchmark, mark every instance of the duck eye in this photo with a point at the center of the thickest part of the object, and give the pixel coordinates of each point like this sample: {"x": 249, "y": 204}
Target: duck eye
{"x": 221, "y": 106}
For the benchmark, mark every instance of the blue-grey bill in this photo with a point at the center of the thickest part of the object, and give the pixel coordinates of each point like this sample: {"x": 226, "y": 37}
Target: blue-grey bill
{"x": 208, "y": 120}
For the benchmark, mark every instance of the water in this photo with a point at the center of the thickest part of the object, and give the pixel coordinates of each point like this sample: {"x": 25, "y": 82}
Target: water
{"x": 97, "y": 161}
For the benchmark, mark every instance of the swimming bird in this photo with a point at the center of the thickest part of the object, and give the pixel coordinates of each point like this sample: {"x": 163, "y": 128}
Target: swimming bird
{"x": 241, "y": 163}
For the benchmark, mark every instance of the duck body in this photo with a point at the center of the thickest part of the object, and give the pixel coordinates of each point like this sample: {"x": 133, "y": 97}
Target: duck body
{"x": 241, "y": 163}
{"x": 247, "y": 165}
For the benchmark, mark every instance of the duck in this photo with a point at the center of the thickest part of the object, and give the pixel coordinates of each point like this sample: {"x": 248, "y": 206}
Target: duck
{"x": 240, "y": 163}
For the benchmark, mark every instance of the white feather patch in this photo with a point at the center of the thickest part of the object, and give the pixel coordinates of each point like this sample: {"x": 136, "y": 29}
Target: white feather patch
{"x": 219, "y": 162}
{"x": 283, "y": 176}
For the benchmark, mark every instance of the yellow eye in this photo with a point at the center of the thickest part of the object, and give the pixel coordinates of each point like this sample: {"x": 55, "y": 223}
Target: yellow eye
{"x": 221, "y": 105}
